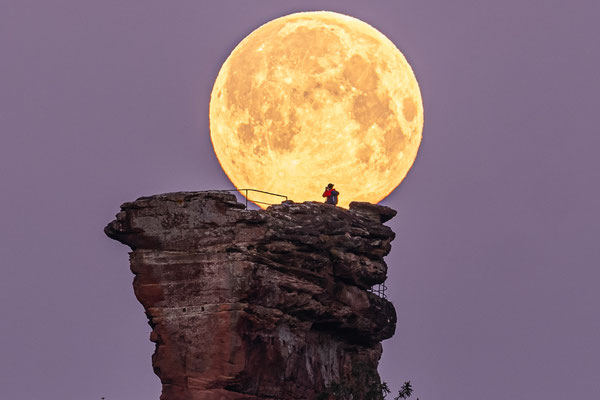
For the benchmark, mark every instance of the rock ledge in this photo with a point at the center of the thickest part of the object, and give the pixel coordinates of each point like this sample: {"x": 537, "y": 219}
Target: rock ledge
{"x": 249, "y": 304}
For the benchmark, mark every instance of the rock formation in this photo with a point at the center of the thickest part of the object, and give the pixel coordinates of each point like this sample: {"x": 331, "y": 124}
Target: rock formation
{"x": 269, "y": 304}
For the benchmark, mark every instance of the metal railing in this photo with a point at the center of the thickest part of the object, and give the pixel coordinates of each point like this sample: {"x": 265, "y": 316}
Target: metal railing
{"x": 379, "y": 290}
{"x": 258, "y": 191}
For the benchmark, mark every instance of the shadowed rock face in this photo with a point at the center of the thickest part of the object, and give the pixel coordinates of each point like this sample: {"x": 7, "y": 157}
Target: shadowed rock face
{"x": 248, "y": 304}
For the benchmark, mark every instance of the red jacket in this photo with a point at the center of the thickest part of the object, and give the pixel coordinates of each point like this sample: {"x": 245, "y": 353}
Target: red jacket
{"x": 328, "y": 193}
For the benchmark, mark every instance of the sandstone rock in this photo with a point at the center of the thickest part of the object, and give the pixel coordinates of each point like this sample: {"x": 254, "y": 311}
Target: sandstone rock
{"x": 375, "y": 211}
{"x": 248, "y": 304}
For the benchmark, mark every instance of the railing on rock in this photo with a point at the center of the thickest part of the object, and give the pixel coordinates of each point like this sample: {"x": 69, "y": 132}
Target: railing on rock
{"x": 379, "y": 290}
{"x": 258, "y": 191}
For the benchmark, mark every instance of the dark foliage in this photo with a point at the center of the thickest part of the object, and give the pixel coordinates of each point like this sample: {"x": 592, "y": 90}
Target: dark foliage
{"x": 405, "y": 392}
{"x": 378, "y": 391}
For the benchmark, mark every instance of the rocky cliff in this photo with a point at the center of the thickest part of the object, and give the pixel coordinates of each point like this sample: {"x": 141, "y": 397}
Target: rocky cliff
{"x": 269, "y": 304}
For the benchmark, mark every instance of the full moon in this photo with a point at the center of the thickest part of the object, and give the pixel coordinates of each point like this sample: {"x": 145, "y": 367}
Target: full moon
{"x": 312, "y": 98}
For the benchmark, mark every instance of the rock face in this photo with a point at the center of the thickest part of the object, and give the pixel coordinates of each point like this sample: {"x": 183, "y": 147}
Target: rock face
{"x": 269, "y": 304}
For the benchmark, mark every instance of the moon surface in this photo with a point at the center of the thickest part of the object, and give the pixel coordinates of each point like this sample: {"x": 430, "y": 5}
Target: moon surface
{"x": 312, "y": 98}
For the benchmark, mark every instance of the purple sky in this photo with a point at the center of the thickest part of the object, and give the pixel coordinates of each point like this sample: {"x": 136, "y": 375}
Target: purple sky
{"x": 494, "y": 271}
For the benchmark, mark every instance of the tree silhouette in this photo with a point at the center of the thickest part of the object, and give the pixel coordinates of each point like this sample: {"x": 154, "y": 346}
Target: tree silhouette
{"x": 405, "y": 392}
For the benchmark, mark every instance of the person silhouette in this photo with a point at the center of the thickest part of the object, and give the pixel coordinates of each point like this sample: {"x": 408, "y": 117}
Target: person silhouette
{"x": 331, "y": 194}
